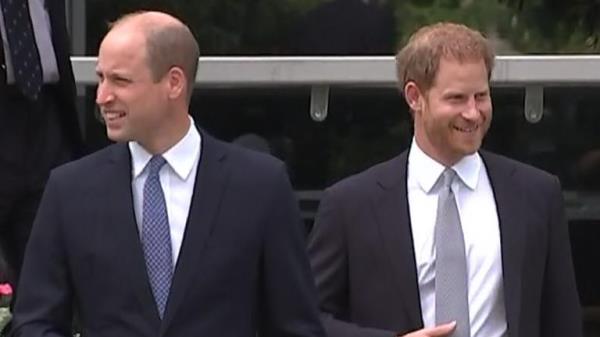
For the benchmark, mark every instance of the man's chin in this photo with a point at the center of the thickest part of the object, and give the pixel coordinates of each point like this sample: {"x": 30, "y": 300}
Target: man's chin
{"x": 470, "y": 149}
{"x": 116, "y": 137}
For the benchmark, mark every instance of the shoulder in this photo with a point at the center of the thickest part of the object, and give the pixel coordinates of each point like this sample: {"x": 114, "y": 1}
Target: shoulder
{"x": 246, "y": 159}
{"x": 353, "y": 192}
{"x": 92, "y": 162}
{"x": 387, "y": 174}
{"x": 244, "y": 164}
{"x": 518, "y": 171}
{"x": 90, "y": 169}
{"x": 533, "y": 186}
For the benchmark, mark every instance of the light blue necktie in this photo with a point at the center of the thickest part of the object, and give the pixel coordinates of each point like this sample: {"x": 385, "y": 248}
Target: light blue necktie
{"x": 156, "y": 237}
{"x": 451, "y": 278}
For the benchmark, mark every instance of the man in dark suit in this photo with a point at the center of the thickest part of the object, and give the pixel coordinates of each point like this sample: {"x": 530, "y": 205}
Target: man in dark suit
{"x": 39, "y": 128}
{"x": 445, "y": 239}
{"x": 169, "y": 232}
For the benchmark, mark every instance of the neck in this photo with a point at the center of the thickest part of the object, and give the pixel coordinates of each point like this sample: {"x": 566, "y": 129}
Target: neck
{"x": 433, "y": 153}
{"x": 170, "y": 135}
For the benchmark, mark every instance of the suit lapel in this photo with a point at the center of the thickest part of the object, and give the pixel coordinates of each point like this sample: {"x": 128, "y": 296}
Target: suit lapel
{"x": 211, "y": 179}
{"x": 123, "y": 228}
{"x": 511, "y": 210}
{"x": 390, "y": 204}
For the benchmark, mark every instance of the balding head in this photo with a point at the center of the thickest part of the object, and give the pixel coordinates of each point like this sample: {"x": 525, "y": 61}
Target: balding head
{"x": 169, "y": 43}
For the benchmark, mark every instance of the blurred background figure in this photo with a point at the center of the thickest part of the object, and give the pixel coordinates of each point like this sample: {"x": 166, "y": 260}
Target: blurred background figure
{"x": 39, "y": 127}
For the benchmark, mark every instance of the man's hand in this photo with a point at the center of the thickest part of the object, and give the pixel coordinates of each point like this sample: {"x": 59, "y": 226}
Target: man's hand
{"x": 437, "y": 331}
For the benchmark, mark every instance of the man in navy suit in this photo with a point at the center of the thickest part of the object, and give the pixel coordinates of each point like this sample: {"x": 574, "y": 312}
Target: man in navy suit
{"x": 446, "y": 239}
{"x": 169, "y": 232}
{"x": 38, "y": 131}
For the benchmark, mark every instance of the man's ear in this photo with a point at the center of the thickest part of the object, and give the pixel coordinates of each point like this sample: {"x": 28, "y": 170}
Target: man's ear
{"x": 176, "y": 82}
{"x": 413, "y": 96}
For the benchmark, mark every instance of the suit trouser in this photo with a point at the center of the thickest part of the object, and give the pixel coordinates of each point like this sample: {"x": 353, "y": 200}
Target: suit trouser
{"x": 32, "y": 142}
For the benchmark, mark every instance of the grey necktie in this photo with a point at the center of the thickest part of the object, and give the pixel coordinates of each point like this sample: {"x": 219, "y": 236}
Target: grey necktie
{"x": 156, "y": 236}
{"x": 451, "y": 285}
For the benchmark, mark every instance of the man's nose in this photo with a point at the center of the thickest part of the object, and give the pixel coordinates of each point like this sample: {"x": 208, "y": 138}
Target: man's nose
{"x": 103, "y": 94}
{"x": 472, "y": 109}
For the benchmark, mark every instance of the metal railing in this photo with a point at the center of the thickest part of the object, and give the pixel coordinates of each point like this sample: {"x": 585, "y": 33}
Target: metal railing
{"x": 533, "y": 73}
{"x": 366, "y": 71}
{"x": 320, "y": 73}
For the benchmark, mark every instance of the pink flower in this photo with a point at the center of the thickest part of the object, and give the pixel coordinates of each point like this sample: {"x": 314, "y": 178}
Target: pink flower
{"x": 5, "y": 289}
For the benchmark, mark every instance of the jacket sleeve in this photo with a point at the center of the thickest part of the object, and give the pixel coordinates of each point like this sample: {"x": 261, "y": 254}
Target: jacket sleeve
{"x": 560, "y": 310}
{"x": 43, "y": 305}
{"x": 327, "y": 249}
{"x": 288, "y": 295}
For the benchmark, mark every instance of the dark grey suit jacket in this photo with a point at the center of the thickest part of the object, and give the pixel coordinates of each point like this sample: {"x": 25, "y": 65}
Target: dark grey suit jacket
{"x": 242, "y": 267}
{"x": 362, "y": 253}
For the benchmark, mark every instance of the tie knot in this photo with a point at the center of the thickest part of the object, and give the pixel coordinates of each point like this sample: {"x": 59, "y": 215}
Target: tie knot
{"x": 155, "y": 164}
{"x": 448, "y": 177}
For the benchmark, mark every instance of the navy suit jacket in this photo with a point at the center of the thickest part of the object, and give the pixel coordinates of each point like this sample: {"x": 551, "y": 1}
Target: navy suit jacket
{"x": 242, "y": 267}
{"x": 362, "y": 253}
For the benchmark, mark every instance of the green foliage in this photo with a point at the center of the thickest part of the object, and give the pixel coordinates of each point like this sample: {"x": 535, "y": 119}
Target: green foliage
{"x": 552, "y": 26}
{"x": 522, "y": 26}
{"x": 262, "y": 27}
{"x": 5, "y": 317}
{"x": 222, "y": 27}
{"x": 484, "y": 15}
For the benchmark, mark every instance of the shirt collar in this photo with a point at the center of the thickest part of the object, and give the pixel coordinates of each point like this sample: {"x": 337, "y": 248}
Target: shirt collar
{"x": 181, "y": 157}
{"x": 427, "y": 170}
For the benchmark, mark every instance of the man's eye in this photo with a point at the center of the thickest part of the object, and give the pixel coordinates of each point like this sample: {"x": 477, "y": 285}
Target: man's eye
{"x": 122, "y": 80}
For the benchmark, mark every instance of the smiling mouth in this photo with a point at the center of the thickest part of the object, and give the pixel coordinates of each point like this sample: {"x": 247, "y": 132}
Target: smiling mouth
{"x": 469, "y": 129}
{"x": 111, "y": 115}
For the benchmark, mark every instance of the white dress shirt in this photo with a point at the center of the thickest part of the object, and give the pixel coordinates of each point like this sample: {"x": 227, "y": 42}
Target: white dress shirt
{"x": 177, "y": 179}
{"x": 479, "y": 220}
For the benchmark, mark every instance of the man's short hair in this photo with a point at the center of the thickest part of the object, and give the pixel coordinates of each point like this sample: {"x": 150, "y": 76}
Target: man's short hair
{"x": 167, "y": 46}
{"x": 419, "y": 60}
